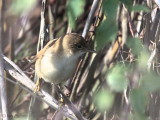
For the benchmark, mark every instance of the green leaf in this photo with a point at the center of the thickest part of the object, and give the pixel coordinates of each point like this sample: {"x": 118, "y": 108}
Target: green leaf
{"x": 116, "y": 79}
{"x": 139, "y": 100}
{"x": 138, "y": 8}
{"x": 104, "y": 100}
{"x": 74, "y": 9}
{"x": 143, "y": 59}
{"x": 150, "y": 82}
{"x": 21, "y": 6}
{"x": 135, "y": 44}
{"x": 108, "y": 29}
{"x": 105, "y": 33}
{"x": 110, "y": 9}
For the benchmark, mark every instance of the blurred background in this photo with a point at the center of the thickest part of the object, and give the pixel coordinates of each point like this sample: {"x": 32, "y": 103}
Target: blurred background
{"x": 120, "y": 82}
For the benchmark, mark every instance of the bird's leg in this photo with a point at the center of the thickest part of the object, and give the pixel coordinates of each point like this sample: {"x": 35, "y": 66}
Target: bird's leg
{"x": 57, "y": 89}
{"x": 61, "y": 100}
{"x": 38, "y": 85}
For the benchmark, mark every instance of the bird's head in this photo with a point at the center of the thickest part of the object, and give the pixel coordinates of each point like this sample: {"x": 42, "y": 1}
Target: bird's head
{"x": 76, "y": 44}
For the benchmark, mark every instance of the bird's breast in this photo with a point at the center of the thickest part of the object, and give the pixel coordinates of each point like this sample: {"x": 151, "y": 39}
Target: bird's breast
{"x": 57, "y": 68}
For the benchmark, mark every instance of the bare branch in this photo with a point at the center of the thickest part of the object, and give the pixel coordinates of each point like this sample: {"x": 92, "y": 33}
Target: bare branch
{"x": 90, "y": 17}
{"x": 39, "y": 47}
{"x": 42, "y": 27}
{"x": 3, "y": 91}
{"x": 28, "y": 85}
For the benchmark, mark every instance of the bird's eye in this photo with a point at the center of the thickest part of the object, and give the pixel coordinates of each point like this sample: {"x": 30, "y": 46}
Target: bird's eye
{"x": 79, "y": 46}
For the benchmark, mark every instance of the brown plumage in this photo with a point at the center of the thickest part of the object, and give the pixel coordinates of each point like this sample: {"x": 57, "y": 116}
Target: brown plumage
{"x": 57, "y": 61}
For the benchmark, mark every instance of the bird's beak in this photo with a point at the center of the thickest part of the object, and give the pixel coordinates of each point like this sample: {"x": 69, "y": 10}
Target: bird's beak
{"x": 90, "y": 50}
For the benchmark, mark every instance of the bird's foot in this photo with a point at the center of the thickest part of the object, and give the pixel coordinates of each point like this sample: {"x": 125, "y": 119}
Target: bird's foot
{"x": 61, "y": 101}
{"x": 37, "y": 86}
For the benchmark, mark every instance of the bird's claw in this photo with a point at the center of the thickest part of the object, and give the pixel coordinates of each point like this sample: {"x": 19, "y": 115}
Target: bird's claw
{"x": 37, "y": 86}
{"x": 61, "y": 101}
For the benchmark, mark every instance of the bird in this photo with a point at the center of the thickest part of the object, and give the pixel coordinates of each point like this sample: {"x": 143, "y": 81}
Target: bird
{"x": 58, "y": 60}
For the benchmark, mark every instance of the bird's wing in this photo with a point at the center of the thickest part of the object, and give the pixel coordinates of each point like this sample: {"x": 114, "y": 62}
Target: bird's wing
{"x": 42, "y": 51}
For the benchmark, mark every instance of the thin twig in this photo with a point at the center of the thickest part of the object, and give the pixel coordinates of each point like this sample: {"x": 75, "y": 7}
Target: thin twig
{"x": 85, "y": 31}
{"x": 3, "y": 91}
{"x": 90, "y": 17}
{"x": 11, "y": 105}
{"x": 71, "y": 105}
{"x": 151, "y": 58}
{"x": 39, "y": 46}
{"x": 132, "y": 27}
{"x": 28, "y": 85}
{"x": 124, "y": 25}
{"x": 51, "y": 22}
{"x": 69, "y": 28}
{"x": 42, "y": 27}
{"x": 124, "y": 31}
